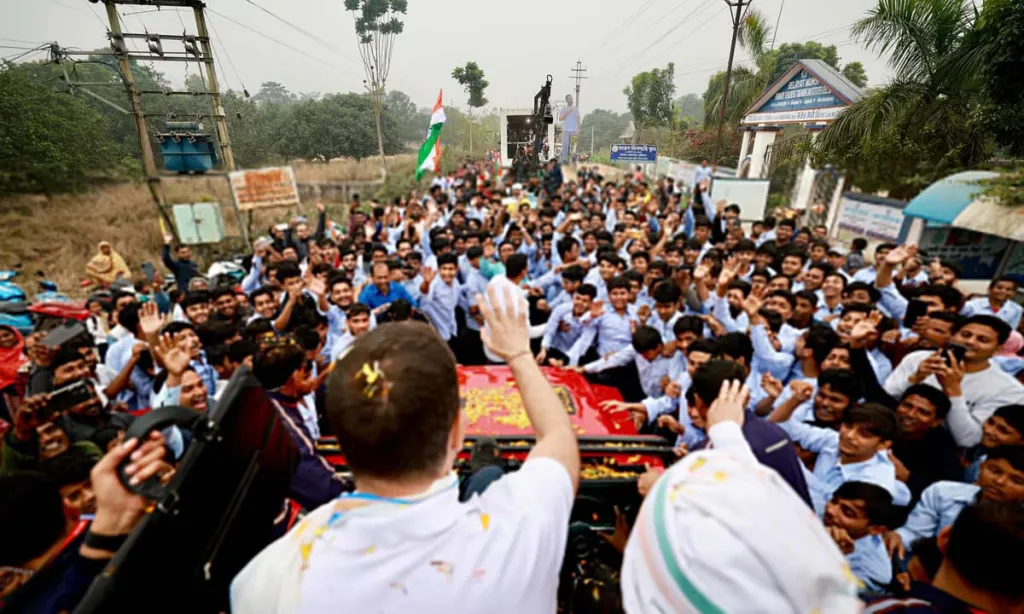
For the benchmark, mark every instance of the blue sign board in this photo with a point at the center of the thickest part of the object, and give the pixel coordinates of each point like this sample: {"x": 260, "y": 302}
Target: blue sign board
{"x": 634, "y": 153}
{"x": 801, "y": 93}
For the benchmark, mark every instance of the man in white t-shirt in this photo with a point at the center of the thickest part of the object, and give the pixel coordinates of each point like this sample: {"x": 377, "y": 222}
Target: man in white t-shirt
{"x": 403, "y": 541}
{"x": 570, "y": 118}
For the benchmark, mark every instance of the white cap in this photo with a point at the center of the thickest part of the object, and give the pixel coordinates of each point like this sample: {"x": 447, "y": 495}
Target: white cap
{"x": 721, "y": 533}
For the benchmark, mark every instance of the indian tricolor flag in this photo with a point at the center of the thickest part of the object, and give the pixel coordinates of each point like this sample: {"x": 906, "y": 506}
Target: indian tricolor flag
{"x": 430, "y": 150}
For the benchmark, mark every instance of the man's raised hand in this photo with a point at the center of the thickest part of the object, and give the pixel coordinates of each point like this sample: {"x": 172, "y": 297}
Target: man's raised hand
{"x": 507, "y": 333}
{"x": 730, "y": 404}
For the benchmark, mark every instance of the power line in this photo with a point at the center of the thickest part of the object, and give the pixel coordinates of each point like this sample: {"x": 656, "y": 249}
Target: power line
{"x": 16, "y": 40}
{"x": 670, "y": 31}
{"x": 312, "y": 36}
{"x": 283, "y": 44}
{"x": 663, "y": 17}
{"x": 224, "y": 49}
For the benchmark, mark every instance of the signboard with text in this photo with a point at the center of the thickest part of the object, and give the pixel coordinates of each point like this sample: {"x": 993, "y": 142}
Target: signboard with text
{"x": 264, "y": 188}
{"x": 870, "y": 219}
{"x": 634, "y": 153}
{"x": 801, "y": 93}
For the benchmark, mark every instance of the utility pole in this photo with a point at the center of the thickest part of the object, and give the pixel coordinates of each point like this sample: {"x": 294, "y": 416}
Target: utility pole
{"x": 219, "y": 120}
{"x": 591, "y": 141}
{"x": 577, "y": 76}
{"x": 198, "y": 49}
{"x": 156, "y": 189}
{"x": 737, "y": 19}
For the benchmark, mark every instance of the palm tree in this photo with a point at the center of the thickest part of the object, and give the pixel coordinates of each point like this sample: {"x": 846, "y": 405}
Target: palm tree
{"x": 937, "y": 59}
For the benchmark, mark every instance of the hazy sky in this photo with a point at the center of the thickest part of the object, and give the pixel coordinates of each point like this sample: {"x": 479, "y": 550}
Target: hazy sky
{"x": 516, "y": 43}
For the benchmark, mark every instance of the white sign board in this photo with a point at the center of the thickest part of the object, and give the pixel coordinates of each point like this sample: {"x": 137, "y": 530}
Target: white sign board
{"x": 750, "y": 194}
{"x": 264, "y": 188}
{"x": 870, "y": 220}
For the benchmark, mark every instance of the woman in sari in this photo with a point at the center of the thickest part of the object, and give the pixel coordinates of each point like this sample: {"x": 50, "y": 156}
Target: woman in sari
{"x": 106, "y": 266}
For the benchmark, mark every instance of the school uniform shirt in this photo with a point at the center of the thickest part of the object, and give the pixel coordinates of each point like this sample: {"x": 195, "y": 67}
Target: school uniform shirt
{"x": 611, "y": 330}
{"x": 594, "y": 278}
{"x": 824, "y": 311}
{"x": 649, "y": 371}
{"x": 664, "y": 327}
{"x": 500, "y": 552}
{"x": 475, "y": 284}
{"x": 870, "y": 562}
{"x": 560, "y": 299}
{"x": 866, "y": 275}
{"x": 880, "y": 363}
{"x": 938, "y": 508}
{"x": 983, "y": 393}
{"x": 766, "y": 359}
{"x": 439, "y": 303}
{"x": 412, "y": 286}
{"x": 562, "y": 329}
{"x": 829, "y": 474}
{"x": 720, "y": 309}
{"x": 1010, "y": 312}
{"x": 120, "y": 351}
{"x": 338, "y": 345}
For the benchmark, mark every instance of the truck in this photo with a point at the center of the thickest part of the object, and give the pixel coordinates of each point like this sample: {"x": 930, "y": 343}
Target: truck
{"x": 517, "y": 131}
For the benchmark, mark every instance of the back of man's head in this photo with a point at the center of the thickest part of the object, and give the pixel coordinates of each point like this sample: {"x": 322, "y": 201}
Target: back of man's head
{"x": 392, "y": 401}
{"x": 32, "y": 510}
{"x": 707, "y": 381}
{"x": 983, "y": 549}
{"x": 516, "y": 265}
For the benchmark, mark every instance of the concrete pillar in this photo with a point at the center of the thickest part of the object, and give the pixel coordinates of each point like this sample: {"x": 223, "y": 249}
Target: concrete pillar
{"x": 833, "y": 207}
{"x": 762, "y": 139}
{"x": 805, "y": 183}
{"x": 743, "y": 145}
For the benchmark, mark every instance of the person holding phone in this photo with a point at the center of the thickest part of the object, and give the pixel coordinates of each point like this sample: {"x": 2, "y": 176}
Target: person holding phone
{"x": 975, "y": 385}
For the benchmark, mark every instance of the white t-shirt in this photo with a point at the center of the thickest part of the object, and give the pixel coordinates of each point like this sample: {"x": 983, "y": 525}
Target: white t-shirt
{"x": 983, "y": 393}
{"x": 571, "y": 123}
{"x": 498, "y": 552}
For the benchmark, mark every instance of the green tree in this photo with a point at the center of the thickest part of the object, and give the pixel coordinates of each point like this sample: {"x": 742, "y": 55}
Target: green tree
{"x": 607, "y": 126}
{"x": 471, "y": 78}
{"x": 788, "y": 53}
{"x": 649, "y": 96}
{"x": 927, "y": 114}
{"x": 336, "y": 126}
{"x": 410, "y": 122}
{"x": 377, "y": 24}
{"x": 1002, "y": 37}
{"x": 49, "y": 141}
{"x": 272, "y": 92}
{"x": 854, "y": 71}
{"x": 691, "y": 106}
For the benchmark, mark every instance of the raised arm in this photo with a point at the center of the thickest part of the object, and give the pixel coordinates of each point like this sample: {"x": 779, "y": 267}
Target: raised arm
{"x": 507, "y": 335}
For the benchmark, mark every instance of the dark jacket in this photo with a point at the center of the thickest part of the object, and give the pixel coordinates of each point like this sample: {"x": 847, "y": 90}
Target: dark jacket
{"x": 773, "y": 448}
{"x": 314, "y": 482}
{"x": 920, "y": 599}
{"x": 183, "y": 270}
{"x": 60, "y": 585}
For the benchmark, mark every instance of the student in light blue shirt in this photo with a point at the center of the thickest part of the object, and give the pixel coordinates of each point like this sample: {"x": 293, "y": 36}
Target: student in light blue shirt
{"x": 855, "y": 517}
{"x": 612, "y": 330}
{"x": 440, "y": 296}
{"x": 858, "y": 451}
{"x": 357, "y": 323}
{"x": 1001, "y": 479}
{"x": 666, "y": 298}
{"x": 564, "y": 326}
{"x": 999, "y": 302}
{"x": 642, "y": 356}
{"x": 868, "y": 274}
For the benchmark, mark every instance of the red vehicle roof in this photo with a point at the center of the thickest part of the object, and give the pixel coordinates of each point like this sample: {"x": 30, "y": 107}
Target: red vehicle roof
{"x": 493, "y": 406}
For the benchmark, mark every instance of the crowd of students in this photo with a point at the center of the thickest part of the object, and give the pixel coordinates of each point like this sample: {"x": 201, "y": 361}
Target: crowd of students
{"x": 847, "y": 431}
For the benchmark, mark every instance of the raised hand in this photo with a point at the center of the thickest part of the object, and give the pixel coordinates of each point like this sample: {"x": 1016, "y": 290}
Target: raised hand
{"x": 730, "y": 404}
{"x": 596, "y": 309}
{"x": 317, "y": 286}
{"x": 507, "y": 333}
{"x": 864, "y": 330}
{"x": 428, "y": 274}
{"x": 772, "y": 386}
{"x": 150, "y": 320}
{"x": 320, "y": 206}
{"x": 174, "y": 357}
{"x": 802, "y": 391}
{"x": 752, "y": 304}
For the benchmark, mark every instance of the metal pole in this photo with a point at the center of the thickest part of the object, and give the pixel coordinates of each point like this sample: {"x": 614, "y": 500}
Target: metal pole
{"x": 728, "y": 75}
{"x": 591, "y": 141}
{"x": 156, "y": 188}
{"x": 219, "y": 121}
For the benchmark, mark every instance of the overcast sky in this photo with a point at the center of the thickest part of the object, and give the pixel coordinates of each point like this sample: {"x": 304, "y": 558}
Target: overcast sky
{"x": 516, "y": 43}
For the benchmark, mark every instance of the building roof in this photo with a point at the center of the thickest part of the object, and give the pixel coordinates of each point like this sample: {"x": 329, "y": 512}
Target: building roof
{"x": 826, "y": 75}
